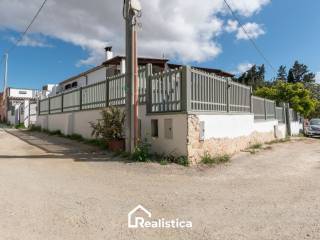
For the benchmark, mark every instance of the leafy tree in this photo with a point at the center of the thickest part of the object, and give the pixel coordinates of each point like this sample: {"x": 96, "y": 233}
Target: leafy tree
{"x": 282, "y": 73}
{"x": 253, "y": 77}
{"x": 299, "y": 73}
{"x": 297, "y": 95}
{"x": 315, "y": 91}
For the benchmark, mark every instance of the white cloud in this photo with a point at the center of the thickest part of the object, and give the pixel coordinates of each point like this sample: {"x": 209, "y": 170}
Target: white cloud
{"x": 248, "y": 7}
{"x": 184, "y": 29}
{"x": 243, "y": 67}
{"x": 253, "y": 30}
{"x": 232, "y": 26}
{"x": 27, "y": 41}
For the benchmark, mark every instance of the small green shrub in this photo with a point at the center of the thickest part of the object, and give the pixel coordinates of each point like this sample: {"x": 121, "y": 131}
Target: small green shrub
{"x": 182, "y": 160}
{"x": 256, "y": 146}
{"x": 141, "y": 152}
{"x": 210, "y": 160}
{"x": 111, "y": 126}
{"x": 283, "y": 140}
{"x": 19, "y": 126}
{"x": 166, "y": 159}
{"x": 163, "y": 162}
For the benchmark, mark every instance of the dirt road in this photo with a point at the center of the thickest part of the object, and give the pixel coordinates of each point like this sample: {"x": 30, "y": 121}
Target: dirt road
{"x": 59, "y": 191}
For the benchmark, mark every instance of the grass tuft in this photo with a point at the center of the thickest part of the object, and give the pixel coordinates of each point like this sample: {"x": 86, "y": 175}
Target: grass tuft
{"x": 210, "y": 160}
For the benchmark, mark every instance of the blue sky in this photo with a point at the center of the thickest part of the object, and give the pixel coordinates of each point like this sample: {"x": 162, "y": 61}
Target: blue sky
{"x": 290, "y": 34}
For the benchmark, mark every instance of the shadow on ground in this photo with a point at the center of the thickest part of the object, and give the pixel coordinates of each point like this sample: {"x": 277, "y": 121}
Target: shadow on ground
{"x": 59, "y": 147}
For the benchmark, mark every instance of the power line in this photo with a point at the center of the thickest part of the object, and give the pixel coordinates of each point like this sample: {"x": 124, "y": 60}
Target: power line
{"x": 25, "y": 32}
{"x": 250, "y": 38}
{"x": 28, "y": 27}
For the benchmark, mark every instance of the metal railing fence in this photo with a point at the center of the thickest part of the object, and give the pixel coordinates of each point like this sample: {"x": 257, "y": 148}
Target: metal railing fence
{"x": 165, "y": 91}
{"x": 208, "y": 92}
{"x": 240, "y": 97}
{"x": 280, "y": 114}
{"x": 94, "y": 96}
{"x": 111, "y": 92}
{"x": 183, "y": 89}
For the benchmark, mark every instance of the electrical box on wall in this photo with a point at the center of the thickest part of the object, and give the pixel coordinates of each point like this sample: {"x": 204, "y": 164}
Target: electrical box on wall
{"x": 168, "y": 129}
{"x": 202, "y": 131}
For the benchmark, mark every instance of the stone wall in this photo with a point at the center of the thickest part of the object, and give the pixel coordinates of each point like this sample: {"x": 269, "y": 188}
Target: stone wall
{"x": 219, "y": 146}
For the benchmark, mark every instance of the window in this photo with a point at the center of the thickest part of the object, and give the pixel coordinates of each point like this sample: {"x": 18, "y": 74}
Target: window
{"x": 168, "y": 131}
{"x": 154, "y": 128}
{"x": 75, "y": 84}
{"x": 67, "y": 86}
{"x": 23, "y": 92}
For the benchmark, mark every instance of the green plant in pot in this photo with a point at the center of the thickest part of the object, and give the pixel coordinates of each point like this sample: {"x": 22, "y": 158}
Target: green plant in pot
{"x": 110, "y": 128}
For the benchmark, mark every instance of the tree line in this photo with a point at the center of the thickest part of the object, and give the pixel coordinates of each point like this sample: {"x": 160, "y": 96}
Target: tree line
{"x": 297, "y": 86}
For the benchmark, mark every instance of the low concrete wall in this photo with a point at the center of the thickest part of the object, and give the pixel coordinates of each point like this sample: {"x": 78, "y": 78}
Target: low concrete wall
{"x": 78, "y": 122}
{"x": 282, "y": 130}
{"x": 227, "y": 134}
{"x": 69, "y": 123}
{"x": 296, "y": 128}
{"x": 177, "y": 145}
{"x": 227, "y": 126}
{"x": 223, "y": 134}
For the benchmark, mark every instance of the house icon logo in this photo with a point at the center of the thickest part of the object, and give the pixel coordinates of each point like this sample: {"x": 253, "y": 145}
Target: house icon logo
{"x": 134, "y": 219}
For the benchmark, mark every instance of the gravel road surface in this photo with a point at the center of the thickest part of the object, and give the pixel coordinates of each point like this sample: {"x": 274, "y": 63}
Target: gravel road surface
{"x": 54, "y": 189}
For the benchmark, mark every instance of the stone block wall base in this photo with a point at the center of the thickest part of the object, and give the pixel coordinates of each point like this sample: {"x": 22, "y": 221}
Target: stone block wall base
{"x": 217, "y": 147}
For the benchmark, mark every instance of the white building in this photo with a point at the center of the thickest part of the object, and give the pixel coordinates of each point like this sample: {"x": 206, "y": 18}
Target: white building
{"x": 184, "y": 111}
{"x": 20, "y": 106}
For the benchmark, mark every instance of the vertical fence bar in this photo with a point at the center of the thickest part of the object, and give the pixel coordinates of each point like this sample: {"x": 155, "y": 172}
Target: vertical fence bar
{"x": 107, "y": 92}
{"x": 62, "y": 102}
{"x": 186, "y": 89}
{"x": 149, "y": 87}
{"x": 251, "y": 100}
{"x": 228, "y": 95}
{"x": 80, "y": 98}
{"x": 265, "y": 109}
{"x": 49, "y": 105}
{"x": 39, "y": 108}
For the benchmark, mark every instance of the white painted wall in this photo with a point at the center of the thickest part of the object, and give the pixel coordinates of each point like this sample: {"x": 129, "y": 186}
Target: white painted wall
{"x": 216, "y": 126}
{"x": 97, "y": 76}
{"x": 296, "y": 127}
{"x": 282, "y": 130}
{"x": 13, "y": 119}
{"x": 81, "y": 83}
{"x": 78, "y": 122}
{"x": 265, "y": 126}
{"x": 227, "y": 126}
{"x": 175, "y": 146}
{"x": 30, "y": 115}
{"x": 233, "y": 126}
{"x": 23, "y": 93}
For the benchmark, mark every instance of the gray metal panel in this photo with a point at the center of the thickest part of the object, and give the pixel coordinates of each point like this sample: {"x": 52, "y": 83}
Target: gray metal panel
{"x": 168, "y": 128}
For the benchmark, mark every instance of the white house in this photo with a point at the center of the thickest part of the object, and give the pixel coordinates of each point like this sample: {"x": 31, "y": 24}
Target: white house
{"x": 183, "y": 110}
{"x": 20, "y": 106}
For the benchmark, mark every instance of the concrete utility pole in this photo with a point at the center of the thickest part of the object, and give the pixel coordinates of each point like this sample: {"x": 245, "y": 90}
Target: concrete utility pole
{"x": 131, "y": 11}
{"x": 5, "y": 72}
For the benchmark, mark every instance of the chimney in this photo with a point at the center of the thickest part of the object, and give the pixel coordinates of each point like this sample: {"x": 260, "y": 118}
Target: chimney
{"x": 109, "y": 53}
